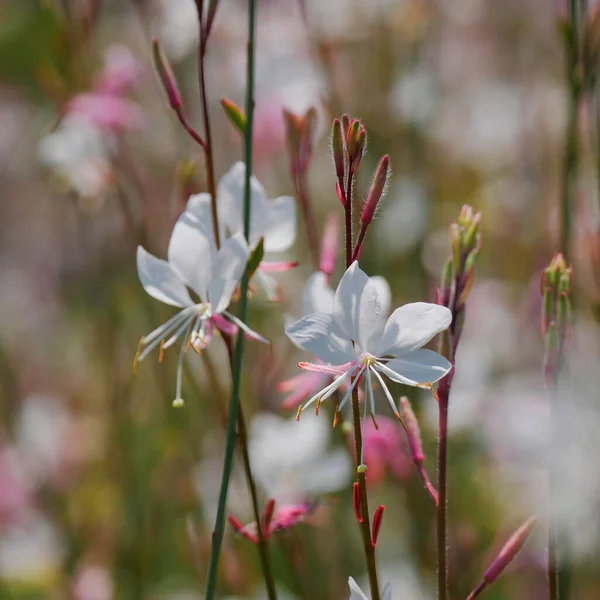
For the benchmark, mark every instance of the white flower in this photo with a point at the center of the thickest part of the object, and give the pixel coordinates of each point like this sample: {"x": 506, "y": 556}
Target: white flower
{"x": 355, "y": 341}
{"x": 193, "y": 262}
{"x": 357, "y": 594}
{"x": 77, "y": 152}
{"x": 274, "y": 220}
{"x": 292, "y": 461}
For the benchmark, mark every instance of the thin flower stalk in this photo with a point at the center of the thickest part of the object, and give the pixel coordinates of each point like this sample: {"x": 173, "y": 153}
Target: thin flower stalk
{"x": 555, "y": 324}
{"x": 234, "y": 407}
{"x": 457, "y": 280}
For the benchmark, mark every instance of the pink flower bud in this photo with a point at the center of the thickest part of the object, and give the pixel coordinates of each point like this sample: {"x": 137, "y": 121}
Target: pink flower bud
{"x": 356, "y": 501}
{"x": 337, "y": 148}
{"x": 165, "y": 75}
{"x": 268, "y": 516}
{"x": 413, "y": 432}
{"x": 377, "y": 190}
{"x": 509, "y": 551}
{"x": 377, "y": 520}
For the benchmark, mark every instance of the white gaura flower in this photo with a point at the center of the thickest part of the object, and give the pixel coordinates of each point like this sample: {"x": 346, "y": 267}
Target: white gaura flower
{"x": 355, "y": 341}
{"x": 195, "y": 263}
{"x": 273, "y": 220}
{"x": 357, "y": 594}
{"x": 319, "y": 297}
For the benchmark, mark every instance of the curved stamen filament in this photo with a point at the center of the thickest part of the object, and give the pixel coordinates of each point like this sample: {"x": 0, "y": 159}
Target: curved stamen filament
{"x": 349, "y": 392}
{"x": 327, "y": 391}
{"x": 387, "y": 393}
{"x": 178, "y": 333}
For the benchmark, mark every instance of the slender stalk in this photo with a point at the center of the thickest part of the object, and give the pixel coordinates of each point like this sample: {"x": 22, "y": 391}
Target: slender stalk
{"x": 442, "y": 462}
{"x": 365, "y": 524}
{"x": 477, "y": 591}
{"x": 348, "y": 211}
{"x": 239, "y": 347}
{"x": 208, "y": 153}
{"x": 556, "y": 567}
{"x": 263, "y": 549}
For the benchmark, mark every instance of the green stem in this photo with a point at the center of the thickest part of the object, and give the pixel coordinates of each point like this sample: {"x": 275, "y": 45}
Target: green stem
{"x": 263, "y": 550}
{"x": 239, "y": 347}
{"x": 365, "y": 523}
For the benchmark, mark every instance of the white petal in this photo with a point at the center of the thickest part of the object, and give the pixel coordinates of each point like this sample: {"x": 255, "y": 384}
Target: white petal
{"x": 387, "y": 592}
{"x": 356, "y": 306}
{"x": 219, "y": 293}
{"x": 318, "y": 296}
{"x": 269, "y": 285}
{"x": 355, "y": 592}
{"x": 231, "y": 258}
{"x": 230, "y": 198}
{"x": 280, "y": 223}
{"x": 160, "y": 280}
{"x": 384, "y": 294}
{"x": 411, "y": 326}
{"x": 199, "y": 207}
{"x": 191, "y": 253}
{"x": 321, "y": 335}
{"x": 419, "y": 367}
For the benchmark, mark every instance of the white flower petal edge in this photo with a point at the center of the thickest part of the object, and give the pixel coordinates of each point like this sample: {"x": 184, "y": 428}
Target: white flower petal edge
{"x": 352, "y": 341}
{"x": 195, "y": 263}
{"x": 357, "y": 594}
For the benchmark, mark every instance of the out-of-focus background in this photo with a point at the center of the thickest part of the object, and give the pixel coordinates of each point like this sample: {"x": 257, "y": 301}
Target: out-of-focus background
{"x": 106, "y": 490}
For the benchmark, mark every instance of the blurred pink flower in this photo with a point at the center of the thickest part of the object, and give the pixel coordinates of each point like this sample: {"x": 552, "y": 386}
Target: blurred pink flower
{"x": 93, "y": 583}
{"x": 384, "y": 450}
{"x": 107, "y": 111}
{"x": 15, "y": 493}
{"x": 122, "y": 70}
{"x": 284, "y": 518}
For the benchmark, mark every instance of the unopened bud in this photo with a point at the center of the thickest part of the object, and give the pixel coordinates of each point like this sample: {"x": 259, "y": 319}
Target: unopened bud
{"x": 547, "y": 308}
{"x": 509, "y": 551}
{"x": 413, "y": 432}
{"x": 268, "y": 516}
{"x": 472, "y": 233}
{"x": 446, "y": 283}
{"x": 337, "y": 147}
{"x": 377, "y": 520}
{"x": 455, "y": 243}
{"x": 356, "y": 504}
{"x": 345, "y": 125}
{"x": 377, "y": 190}
{"x": 165, "y": 75}
{"x": 235, "y": 114}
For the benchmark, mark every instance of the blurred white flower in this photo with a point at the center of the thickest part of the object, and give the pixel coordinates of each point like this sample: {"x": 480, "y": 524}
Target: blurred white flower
{"x": 355, "y": 340}
{"x": 77, "y": 152}
{"x": 193, "y": 262}
{"x": 30, "y": 552}
{"x": 274, "y": 220}
{"x": 357, "y": 594}
{"x": 291, "y": 460}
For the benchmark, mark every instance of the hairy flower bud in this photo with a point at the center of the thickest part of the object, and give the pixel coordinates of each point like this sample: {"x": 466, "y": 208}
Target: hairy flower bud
{"x": 377, "y": 520}
{"x": 413, "y": 431}
{"x": 337, "y": 147}
{"x": 377, "y": 190}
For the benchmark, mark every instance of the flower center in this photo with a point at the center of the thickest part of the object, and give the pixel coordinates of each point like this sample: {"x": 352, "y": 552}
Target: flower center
{"x": 368, "y": 360}
{"x": 203, "y": 310}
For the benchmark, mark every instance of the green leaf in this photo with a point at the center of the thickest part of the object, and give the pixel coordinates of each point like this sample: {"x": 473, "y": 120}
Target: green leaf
{"x": 256, "y": 257}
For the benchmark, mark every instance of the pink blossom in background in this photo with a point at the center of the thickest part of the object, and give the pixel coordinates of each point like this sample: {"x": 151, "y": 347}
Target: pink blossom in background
{"x": 122, "y": 70}
{"x": 93, "y": 583}
{"x": 15, "y": 493}
{"x": 384, "y": 450}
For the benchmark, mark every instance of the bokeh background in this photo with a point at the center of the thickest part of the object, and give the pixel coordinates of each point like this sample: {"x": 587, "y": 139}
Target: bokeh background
{"x": 106, "y": 490}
